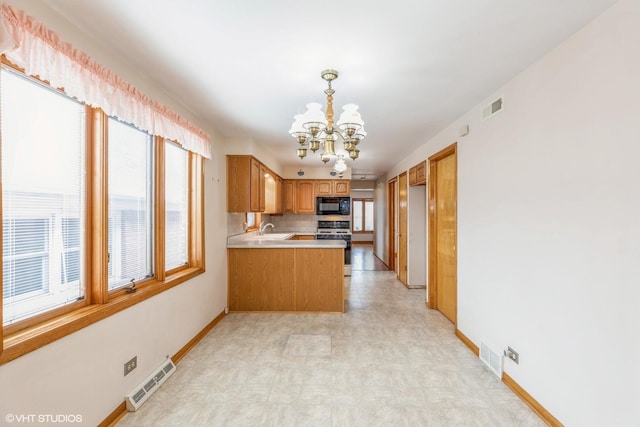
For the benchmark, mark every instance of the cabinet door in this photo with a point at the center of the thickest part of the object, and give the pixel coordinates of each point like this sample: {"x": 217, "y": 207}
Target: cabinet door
{"x": 262, "y": 201}
{"x": 238, "y": 184}
{"x": 256, "y": 181}
{"x": 421, "y": 173}
{"x": 305, "y": 197}
{"x": 342, "y": 188}
{"x": 324, "y": 188}
{"x": 279, "y": 202}
{"x": 289, "y": 195}
{"x": 412, "y": 176}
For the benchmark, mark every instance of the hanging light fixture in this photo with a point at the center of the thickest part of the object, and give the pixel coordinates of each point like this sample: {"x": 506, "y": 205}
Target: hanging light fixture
{"x": 314, "y": 129}
{"x": 340, "y": 166}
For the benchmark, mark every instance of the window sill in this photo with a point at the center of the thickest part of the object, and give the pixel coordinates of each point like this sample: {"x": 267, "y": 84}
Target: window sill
{"x": 32, "y": 338}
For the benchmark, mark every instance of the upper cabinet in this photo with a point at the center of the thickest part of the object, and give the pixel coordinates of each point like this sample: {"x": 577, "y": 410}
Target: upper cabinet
{"x": 328, "y": 187}
{"x": 342, "y": 188}
{"x": 305, "y": 196}
{"x": 418, "y": 174}
{"x": 252, "y": 187}
{"x": 244, "y": 192}
{"x": 324, "y": 187}
{"x": 289, "y": 195}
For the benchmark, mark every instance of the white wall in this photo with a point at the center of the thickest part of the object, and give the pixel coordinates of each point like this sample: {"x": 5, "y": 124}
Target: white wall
{"x": 549, "y": 223}
{"x": 416, "y": 239}
{"x": 381, "y": 233}
{"x": 82, "y": 373}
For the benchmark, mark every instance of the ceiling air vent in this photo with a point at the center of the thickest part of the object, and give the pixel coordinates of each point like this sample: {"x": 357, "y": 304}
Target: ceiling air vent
{"x": 492, "y": 109}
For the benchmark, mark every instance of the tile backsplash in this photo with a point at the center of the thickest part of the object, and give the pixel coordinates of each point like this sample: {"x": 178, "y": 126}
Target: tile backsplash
{"x": 301, "y": 223}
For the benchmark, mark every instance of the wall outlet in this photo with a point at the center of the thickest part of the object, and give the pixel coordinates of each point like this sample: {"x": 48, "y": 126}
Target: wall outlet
{"x": 130, "y": 365}
{"x": 512, "y": 354}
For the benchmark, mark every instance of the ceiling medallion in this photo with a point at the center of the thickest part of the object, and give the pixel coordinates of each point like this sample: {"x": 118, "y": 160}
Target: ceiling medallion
{"x": 314, "y": 129}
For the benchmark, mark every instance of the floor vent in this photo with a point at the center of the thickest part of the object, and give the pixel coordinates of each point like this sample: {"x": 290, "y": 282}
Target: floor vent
{"x": 492, "y": 109}
{"x": 491, "y": 358}
{"x": 141, "y": 393}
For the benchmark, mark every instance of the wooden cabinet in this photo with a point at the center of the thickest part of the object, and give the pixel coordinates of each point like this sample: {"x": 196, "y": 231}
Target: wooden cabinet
{"x": 288, "y": 196}
{"x": 304, "y": 237}
{"x": 295, "y": 279}
{"x": 305, "y": 196}
{"x": 418, "y": 174}
{"x": 324, "y": 187}
{"x": 261, "y": 199}
{"x": 245, "y": 185}
{"x": 342, "y": 188}
{"x": 328, "y": 187}
{"x": 279, "y": 196}
{"x": 252, "y": 187}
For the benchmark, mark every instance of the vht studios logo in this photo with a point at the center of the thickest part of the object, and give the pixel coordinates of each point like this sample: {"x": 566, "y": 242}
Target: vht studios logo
{"x": 43, "y": 418}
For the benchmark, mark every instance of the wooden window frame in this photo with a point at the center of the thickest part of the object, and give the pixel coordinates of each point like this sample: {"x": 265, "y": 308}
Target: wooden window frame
{"x": 364, "y": 214}
{"x": 256, "y": 224}
{"x": 37, "y": 331}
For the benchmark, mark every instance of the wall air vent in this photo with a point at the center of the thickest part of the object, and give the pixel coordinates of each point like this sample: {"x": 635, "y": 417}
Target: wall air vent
{"x": 491, "y": 358}
{"x": 492, "y": 109}
{"x": 146, "y": 388}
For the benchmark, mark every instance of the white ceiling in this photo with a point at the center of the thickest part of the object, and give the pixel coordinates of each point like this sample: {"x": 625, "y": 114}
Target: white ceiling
{"x": 413, "y": 66}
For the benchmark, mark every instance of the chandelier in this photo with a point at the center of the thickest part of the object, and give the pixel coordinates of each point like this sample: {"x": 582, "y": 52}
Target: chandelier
{"x": 314, "y": 129}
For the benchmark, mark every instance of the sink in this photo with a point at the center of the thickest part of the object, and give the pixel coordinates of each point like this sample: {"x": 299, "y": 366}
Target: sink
{"x": 273, "y": 236}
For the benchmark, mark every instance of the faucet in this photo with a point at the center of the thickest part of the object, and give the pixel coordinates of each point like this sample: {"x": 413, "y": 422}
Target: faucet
{"x": 263, "y": 227}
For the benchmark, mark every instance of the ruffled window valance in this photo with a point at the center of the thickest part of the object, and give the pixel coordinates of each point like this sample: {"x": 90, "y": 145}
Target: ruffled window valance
{"x": 27, "y": 43}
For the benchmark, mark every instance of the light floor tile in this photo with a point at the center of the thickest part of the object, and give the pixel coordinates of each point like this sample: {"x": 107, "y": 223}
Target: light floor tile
{"x": 386, "y": 361}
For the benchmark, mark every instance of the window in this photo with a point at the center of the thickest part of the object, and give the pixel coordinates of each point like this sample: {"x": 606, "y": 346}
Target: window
{"x": 252, "y": 221}
{"x": 176, "y": 186}
{"x": 130, "y": 204}
{"x": 362, "y": 221}
{"x": 88, "y": 204}
{"x": 43, "y": 169}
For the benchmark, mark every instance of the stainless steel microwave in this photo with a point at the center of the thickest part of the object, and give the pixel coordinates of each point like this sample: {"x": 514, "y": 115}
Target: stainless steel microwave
{"x": 333, "y": 206}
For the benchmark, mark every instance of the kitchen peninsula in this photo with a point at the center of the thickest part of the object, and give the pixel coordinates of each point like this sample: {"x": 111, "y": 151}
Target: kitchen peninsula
{"x": 275, "y": 273}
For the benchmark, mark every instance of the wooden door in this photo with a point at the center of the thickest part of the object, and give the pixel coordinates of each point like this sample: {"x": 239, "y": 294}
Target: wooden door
{"x": 443, "y": 273}
{"x": 305, "y": 197}
{"x": 392, "y": 223}
{"x": 402, "y": 227}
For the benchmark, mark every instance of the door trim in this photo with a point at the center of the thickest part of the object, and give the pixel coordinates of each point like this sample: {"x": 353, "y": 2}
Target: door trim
{"x": 391, "y": 236}
{"x": 432, "y": 181}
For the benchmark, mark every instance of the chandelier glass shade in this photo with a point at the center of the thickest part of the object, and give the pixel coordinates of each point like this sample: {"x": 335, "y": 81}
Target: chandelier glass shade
{"x": 314, "y": 129}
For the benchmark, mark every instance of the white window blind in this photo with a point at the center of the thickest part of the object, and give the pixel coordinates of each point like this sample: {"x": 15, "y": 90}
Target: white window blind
{"x": 176, "y": 206}
{"x": 43, "y": 197}
{"x": 131, "y": 180}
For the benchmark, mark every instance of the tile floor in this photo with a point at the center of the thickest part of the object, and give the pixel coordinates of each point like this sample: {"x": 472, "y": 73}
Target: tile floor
{"x": 388, "y": 361}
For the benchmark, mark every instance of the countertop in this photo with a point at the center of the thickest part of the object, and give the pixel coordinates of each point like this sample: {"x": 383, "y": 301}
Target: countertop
{"x": 279, "y": 241}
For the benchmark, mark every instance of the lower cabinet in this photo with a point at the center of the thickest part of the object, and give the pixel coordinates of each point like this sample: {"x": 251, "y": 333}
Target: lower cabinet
{"x": 290, "y": 279}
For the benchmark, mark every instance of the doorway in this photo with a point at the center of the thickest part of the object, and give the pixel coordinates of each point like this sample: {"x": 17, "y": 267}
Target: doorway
{"x": 443, "y": 274}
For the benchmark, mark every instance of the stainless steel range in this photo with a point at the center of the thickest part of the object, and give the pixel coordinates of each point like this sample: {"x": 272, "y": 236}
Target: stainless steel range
{"x": 337, "y": 230}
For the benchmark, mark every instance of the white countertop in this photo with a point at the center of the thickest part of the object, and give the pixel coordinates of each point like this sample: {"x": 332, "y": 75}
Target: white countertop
{"x": 283, "y": 244}
{"x": 279, "y": 241}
